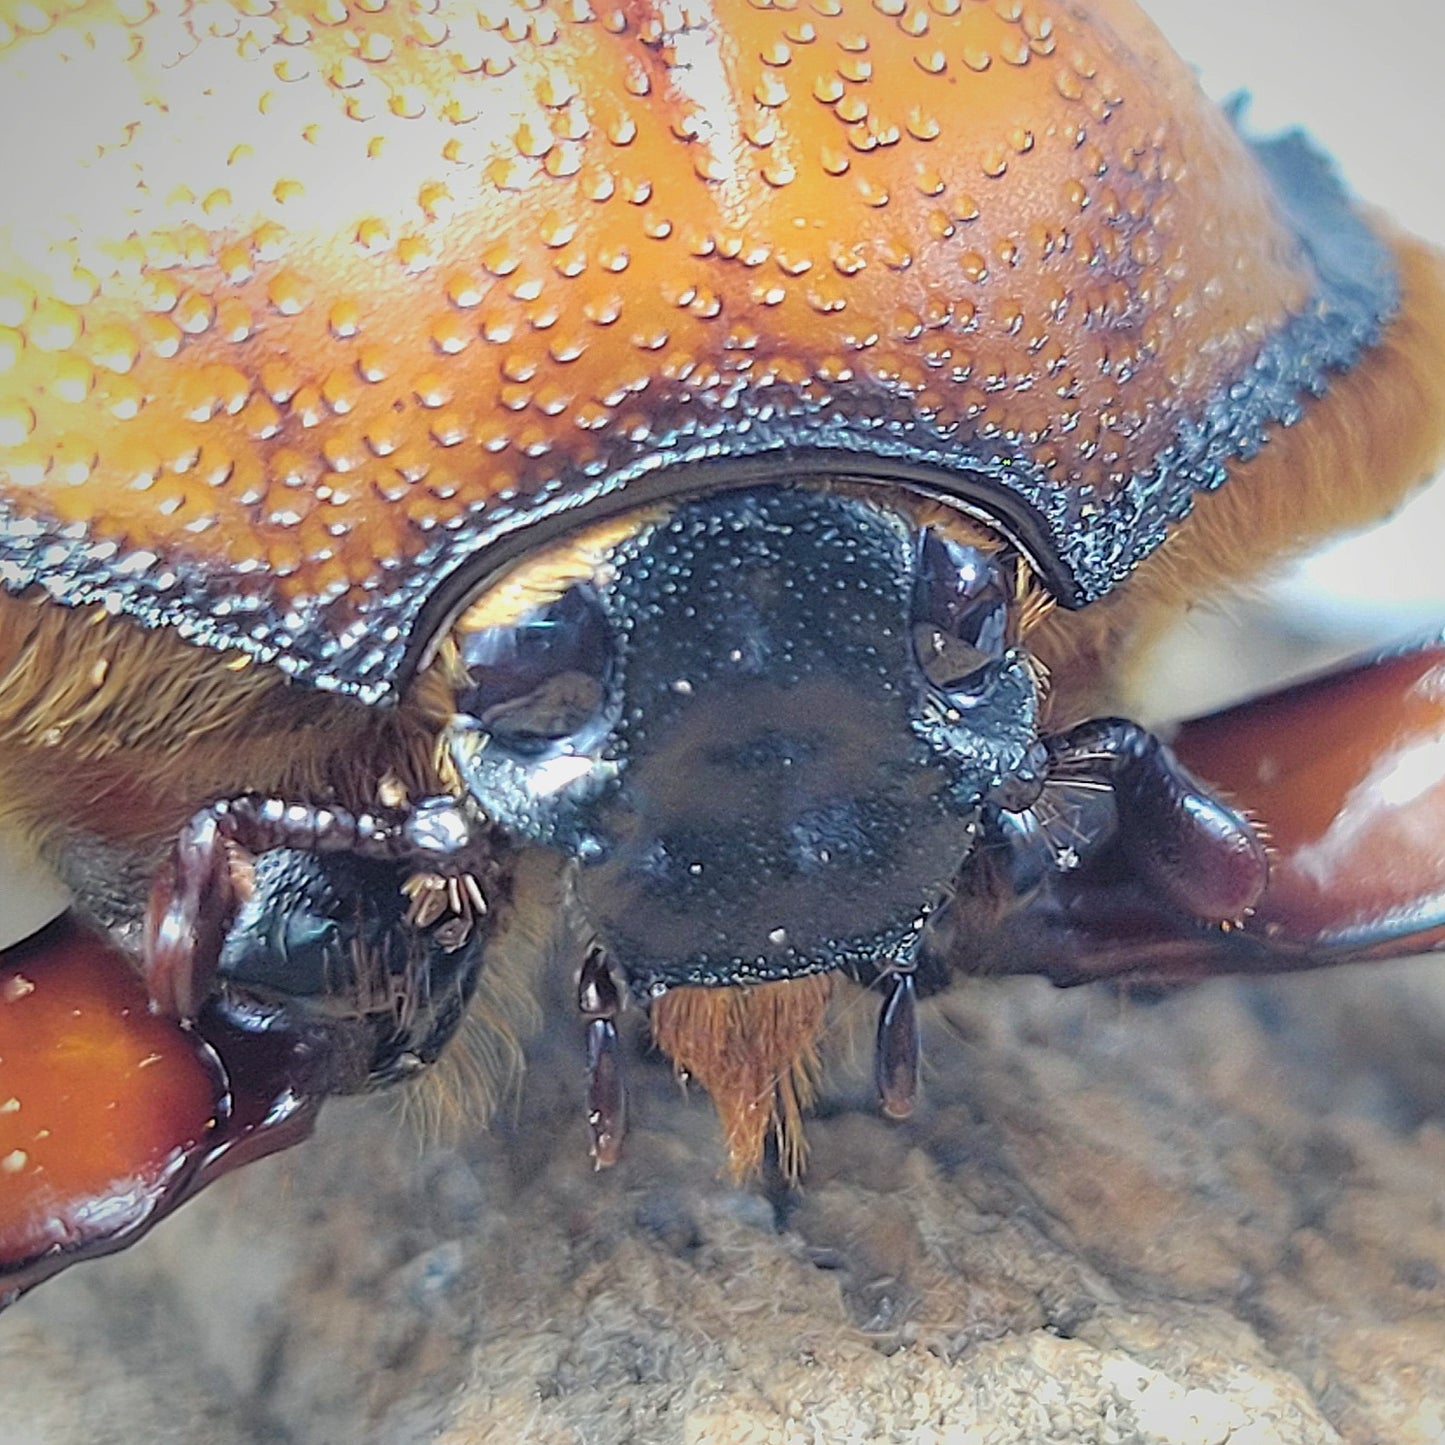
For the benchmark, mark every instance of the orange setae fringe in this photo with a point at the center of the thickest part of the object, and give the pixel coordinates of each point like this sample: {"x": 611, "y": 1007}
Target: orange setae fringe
{"x": 754, "y": 1048}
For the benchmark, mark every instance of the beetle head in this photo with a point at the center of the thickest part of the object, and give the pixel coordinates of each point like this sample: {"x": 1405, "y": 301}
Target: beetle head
{"x": 763, "y": 726}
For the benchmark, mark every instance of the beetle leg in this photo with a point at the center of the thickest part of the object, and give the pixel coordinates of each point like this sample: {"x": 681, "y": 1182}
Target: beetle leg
{"x": 1347, "y": 773}
{"x": 192, "y": 902}
{"x": 599, "y": 1002}
{"x": 195, "y": 896}
{"x": 434, "y": 830}
{"x": 1202, "y": 855}
{"x": 113, "y": 1116}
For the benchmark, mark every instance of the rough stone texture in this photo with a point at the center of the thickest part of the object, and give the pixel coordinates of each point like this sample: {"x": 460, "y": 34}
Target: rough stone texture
{"x": 1216, "y": 1218}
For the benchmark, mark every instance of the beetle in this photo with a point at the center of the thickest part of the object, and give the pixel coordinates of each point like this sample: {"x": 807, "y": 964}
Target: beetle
{"x": 668, "y": 489}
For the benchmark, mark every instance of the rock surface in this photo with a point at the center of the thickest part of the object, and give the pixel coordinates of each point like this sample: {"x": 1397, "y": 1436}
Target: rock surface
{"x": 1215, "y": 1218}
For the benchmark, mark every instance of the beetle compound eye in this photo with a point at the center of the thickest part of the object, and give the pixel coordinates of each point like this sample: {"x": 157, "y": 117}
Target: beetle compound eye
{"x": 960, "y": 614}
{"x": 543, "y": 679}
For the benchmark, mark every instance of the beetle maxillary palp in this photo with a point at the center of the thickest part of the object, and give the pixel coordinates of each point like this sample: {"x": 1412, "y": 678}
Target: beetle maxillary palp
{"x": 898, "y": 1049}
{"x": 599, "y": 1002}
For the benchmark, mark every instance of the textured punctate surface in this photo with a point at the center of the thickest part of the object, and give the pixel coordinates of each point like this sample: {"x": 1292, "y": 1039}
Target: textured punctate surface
{"x": 304, "y": 300}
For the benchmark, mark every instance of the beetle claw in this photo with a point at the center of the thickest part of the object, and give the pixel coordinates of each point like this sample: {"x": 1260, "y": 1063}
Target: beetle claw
{"x": 448, "y": 904}
{"x": 427, "y": 893}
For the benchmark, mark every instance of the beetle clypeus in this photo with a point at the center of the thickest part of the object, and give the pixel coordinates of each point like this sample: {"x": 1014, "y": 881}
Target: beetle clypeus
{"x": 680, "y": 479}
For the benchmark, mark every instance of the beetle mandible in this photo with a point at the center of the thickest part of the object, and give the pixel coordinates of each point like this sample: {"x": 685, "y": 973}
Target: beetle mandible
{"x": 676, "y": 479}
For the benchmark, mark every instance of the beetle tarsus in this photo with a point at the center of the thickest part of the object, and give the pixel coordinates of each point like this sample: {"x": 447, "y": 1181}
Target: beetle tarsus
{"x": 599, "y": 1001}
{"x": 196, "y": 895}
{"x": 433, "y": 830}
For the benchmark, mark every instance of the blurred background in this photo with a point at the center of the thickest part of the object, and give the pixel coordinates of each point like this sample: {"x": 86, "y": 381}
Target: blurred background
{"x": 1366, "y": 82}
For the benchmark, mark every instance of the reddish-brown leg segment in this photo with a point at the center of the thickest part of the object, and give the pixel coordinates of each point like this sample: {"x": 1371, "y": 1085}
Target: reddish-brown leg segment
{"x": 599, "y": 1001}
{"x": 1345, "y": 776}
{"x": 1348, "y": 775}
{"x": 110, "y": 1116}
